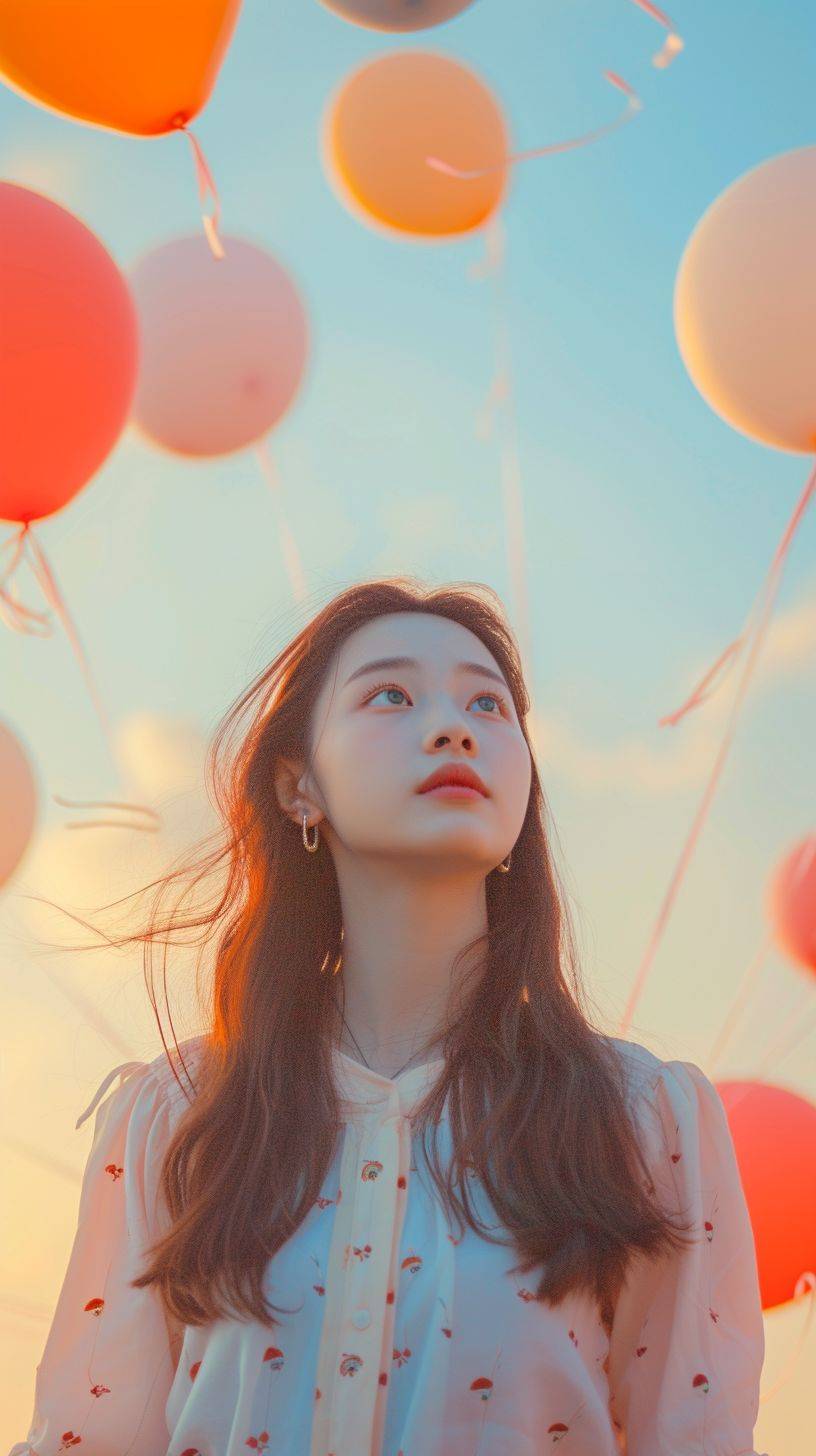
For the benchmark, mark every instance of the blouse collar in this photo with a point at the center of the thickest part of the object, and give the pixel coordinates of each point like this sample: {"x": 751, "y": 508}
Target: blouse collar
{"x": 361, "y": 1088}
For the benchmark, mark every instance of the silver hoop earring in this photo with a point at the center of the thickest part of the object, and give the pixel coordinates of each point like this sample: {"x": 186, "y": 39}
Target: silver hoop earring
{"x": 313, "y": 846}
{"x": 505, "y": 868}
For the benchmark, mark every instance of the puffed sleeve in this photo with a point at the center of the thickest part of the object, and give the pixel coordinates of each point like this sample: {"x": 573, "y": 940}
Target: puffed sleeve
{"x": 688, "y": 1339}
{"x": 108, "y": 1362}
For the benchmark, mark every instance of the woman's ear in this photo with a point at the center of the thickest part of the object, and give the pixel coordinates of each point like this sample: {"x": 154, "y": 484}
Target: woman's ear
{"x": 293, "y": 802}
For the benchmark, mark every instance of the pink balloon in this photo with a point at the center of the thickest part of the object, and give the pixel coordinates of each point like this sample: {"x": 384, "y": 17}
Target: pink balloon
{"x": 791, "y": 903}
{"x": 68, "y": 354}
{"x": 18, "y": 796}
{"x": 224, "y": 345}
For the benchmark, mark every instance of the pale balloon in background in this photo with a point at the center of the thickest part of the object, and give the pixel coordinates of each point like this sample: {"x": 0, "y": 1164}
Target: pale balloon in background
{"x": 397, "y": 15}
{"x": 745, "y": 302}
{"x": 18, "y": 798}
{"x": 224, "y": 345}
{"x": 791, "y": 900}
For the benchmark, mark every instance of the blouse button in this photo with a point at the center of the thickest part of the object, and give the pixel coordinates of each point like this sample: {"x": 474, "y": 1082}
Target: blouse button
{"x": 361, "y": 1319}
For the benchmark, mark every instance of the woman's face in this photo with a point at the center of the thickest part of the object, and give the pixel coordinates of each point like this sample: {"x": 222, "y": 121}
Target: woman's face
{"x": 379, "y": 731}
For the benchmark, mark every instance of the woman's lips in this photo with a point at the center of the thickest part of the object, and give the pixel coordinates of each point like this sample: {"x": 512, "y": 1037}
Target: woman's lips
{"x": 457, "y": 791}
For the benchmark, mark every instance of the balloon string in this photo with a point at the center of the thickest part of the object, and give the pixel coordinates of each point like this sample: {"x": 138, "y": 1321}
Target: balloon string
{"x": 205, "y": 184}
{"x": 741, "y": 999}
{"x": 501, "y": 398}
{"x": 14, "y": 613}
{"x": 27, "y": 547}
{"x": 291, "y": 554}
{"x": 698, "y": 696}
{"x": 634, "y": 105}
{"x": 804, "y": 861}
{"x": 672, "y": 45}
{"x": 45, "y": 576}
{"x": 773, "y": 587}
{"x": 150, "y": 814}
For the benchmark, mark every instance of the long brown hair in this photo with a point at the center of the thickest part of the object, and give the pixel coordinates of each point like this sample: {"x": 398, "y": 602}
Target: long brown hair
{"x": 538, "y": 1095}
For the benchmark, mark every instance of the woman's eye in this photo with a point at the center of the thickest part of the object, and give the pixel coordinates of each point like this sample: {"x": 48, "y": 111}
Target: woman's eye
{"x": 480, "y": 698}
{"x": 384, "y": 690}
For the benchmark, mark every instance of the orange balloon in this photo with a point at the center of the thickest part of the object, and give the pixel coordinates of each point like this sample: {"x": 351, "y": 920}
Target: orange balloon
{"x": 390, "y": 114}
{"x": 745, "y": 303}
{"x": 774, "y": 1136}
{"x": 791, "y": 903}
{"x": 18, "y": 795}
{"x": 118, "y": 64}
{"x": 69, "y": 349}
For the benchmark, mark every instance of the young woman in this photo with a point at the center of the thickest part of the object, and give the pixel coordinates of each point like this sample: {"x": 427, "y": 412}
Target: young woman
{"x": 401, "y": 1197}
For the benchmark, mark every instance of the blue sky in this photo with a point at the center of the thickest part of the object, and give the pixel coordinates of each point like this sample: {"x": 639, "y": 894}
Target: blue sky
{"x": 635, "y": 493}
{"x": 650, "y": 522}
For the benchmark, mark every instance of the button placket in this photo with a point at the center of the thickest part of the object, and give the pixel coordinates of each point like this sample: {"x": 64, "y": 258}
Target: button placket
{"x": 361, "y": 1347}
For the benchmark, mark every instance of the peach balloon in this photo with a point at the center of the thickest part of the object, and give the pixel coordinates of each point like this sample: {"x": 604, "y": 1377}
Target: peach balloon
{"x": 18, "y": 796}
{"x": 224, "y": 345}
{"x": 745, "y": 303}
{"x": 68, "y": 354}
{"x": 118, "y": 64}
{"x": 774, "y": 1135}
{"x": 393, "y": 112}
{"x": 791, "y": 903}
{"x": 397, "y": 15}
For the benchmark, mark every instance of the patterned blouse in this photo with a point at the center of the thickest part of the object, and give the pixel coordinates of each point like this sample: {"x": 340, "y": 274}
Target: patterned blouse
{"x": 400, "y": 1337}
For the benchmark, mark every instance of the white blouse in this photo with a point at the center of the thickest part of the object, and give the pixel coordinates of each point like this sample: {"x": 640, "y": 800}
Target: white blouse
{"x": 404, "y": 1339}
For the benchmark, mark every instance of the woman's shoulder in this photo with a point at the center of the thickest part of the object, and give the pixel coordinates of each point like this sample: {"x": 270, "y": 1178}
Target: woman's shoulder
{"x": 640, "y": 1067}
{"x": 177, "y": 1070}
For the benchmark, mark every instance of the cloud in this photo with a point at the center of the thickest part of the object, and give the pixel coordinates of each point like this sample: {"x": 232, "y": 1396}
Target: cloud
{"x": 676, "y": 757}
{"x": 59, "y": 173}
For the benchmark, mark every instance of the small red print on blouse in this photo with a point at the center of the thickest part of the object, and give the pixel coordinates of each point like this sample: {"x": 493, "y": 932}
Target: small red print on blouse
{"x": 194, "y": 1369}
{"x": 95, "y": 1306}
{"x": 557, "y": 1430}
{"x": 350, "y": 1364}
{"x": 69, "y": 1439}
{"x": 114, "y": 1170}
{"x": 274, "y": 1355}
{"x": 370, "y": 1170}
{"x": 700, "y": 1382}
{"x": 412, "y": 1263}
{"x": 400, "y": 1356}
{"x": 100, "y": 1390}
{"x": 484, "y": 1385}
{"x": 258, "y": 1443}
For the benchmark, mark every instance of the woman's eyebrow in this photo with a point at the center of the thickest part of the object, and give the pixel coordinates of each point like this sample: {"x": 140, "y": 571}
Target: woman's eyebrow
{"x": 382, "y": 663}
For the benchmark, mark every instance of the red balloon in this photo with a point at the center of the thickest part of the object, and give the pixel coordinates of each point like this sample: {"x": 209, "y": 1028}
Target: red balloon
{"x": 774, "y": 1136}
{"x": 791, "y": 902}
{"x": 68, "y": 354}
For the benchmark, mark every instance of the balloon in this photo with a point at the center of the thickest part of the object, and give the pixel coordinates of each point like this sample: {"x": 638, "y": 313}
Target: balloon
{"x": 388, "y": 116}
{"x": 224, "y": 344}
{"x": 745, "y": 302}
{"x": 774, "y": 1135}
{"x": 68, "y": 354}
{"x": 397, "y": 14}
{"x": 18, "y": 796}
{"x": 119, "y": 64}
{"x": 792, "y": 903}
